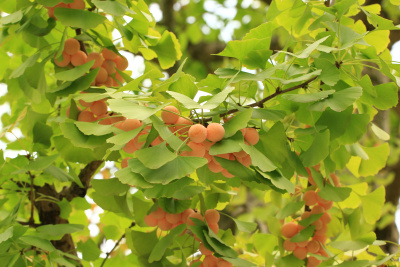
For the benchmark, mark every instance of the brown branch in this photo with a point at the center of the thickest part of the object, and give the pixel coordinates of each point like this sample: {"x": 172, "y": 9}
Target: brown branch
{"x": 81, "y": 43}
{"x": 85, "y": 177}
{"x": 115, "y": 246}
{"x": 33, "y": 225}
{"x": 260, "y": 103}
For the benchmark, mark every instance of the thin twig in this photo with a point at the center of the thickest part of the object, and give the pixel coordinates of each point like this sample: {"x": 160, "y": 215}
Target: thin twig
{"x": 115, "y": 246}
{"x": 32, "y": 197}
{"x": 260, "y": 103}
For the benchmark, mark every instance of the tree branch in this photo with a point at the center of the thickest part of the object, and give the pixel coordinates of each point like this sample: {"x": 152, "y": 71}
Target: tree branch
{"x": 260, "y": 103}
{"x": 84, "y": 176}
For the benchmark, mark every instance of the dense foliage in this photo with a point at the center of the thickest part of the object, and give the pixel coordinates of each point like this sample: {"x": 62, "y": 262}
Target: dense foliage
{"x": 266, "y": 161}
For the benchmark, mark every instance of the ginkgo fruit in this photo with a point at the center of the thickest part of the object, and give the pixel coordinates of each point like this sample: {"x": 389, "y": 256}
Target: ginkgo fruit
{"x": 310, "y": 198}
{"x": 212, "y": 216}
{"x": 185, "y": 214}
{"x": 71, "y": 46}
{"x": 194, "y": 215}
{"x": 182, "y": 125}
{"x": 130, "y": 147}
{"x": 214, "y": 227}
{"x": 215, "y": 132}
{"x": 197, "y": 133}
{"x": 170, "y": 114}
{"x": 86, "y": 116}
{"x": 198, "y": 150}
{"x": 290, "y": 229}
{"x": 204, "y": 250}
{"x": 251, "y": 135}
{"x": 313, "y": 262}
{"x": 224, "y": 263}
{"x": 121, "y": 62}
{"x": 108, "y": 54}
{"x": 173, "y": 218}
{"x": 164, "y": 224}
{"x": 124, "y": 162}
{"x": 210, "y": 261}
{"x": 65, "y": 60}
{"x": 150, "y": 220}
{"x": 109, "y": 66}
{"x": 288, "y": 245}
{"x": 159, "y": 213}
{"x": 99, "y": 107}
{"x": 98, "y": 59}
{"x": 79, "y": 58}
{"x": 101, "y": 76}
{"x": 300, "y": 253}
{"x": 77, "y": 4}
{"x": 131, "y": 124}
{"x": 313, "y": 246}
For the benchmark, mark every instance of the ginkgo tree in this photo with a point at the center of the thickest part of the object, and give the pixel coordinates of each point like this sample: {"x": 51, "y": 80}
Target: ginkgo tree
{"x": 293, "y": 129}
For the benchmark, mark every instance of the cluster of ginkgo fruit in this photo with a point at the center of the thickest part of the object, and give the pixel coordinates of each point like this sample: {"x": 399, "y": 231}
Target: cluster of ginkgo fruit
{"x": 319, "y": 205}
{"x": 201, "y": 139}
{"x": 167, "y": 221}
{"x": 77, "y": 4}
{"x": 107, "y": 61}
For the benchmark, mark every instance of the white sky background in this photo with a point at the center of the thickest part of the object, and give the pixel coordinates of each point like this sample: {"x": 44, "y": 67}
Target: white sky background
{"x": 136, "y": 65}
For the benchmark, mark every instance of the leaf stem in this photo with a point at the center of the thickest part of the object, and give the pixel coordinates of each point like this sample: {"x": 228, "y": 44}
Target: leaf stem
{"x": 116, "y": 245}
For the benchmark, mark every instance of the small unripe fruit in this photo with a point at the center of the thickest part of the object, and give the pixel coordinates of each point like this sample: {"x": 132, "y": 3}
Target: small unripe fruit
{"x": 215, "y": 132}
